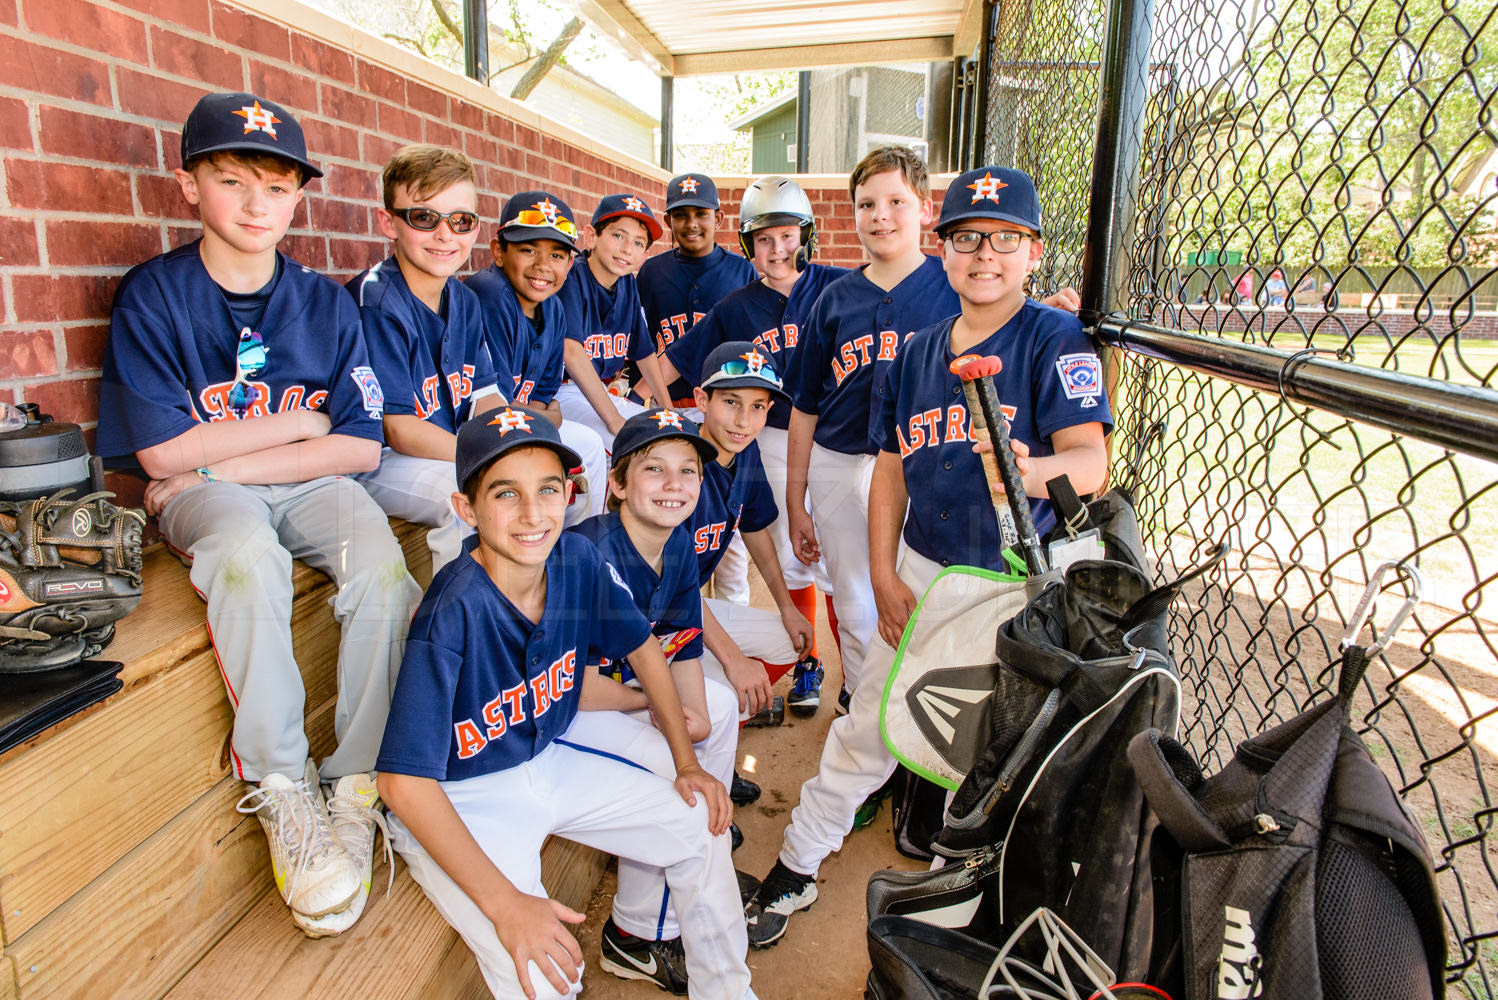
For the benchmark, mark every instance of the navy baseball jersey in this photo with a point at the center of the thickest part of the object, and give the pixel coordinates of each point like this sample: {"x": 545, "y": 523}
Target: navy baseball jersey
{"x": 855, "y": 331}
{"x": 608, "y": 322}
{"x": 481, "y": 687}
{"x": 676, "y": 291}
{"x": 428, "y": 364}
{"x": 759, "y": 313}
{"x": 1051, "y": 380}
{"x": 733, "y": 498}
{"x": 531, "y": 357}
{"x": 670, "y": 600}
{"x": 170, "y": 361}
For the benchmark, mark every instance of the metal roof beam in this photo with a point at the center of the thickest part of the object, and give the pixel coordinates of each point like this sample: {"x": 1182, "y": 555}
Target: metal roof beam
{"x": 614, "y": 19}
{"x": 931, "y": 49}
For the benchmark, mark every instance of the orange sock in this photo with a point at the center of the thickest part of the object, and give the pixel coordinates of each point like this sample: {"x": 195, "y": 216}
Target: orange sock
{"x": 805, "y": 600}
{"x": 777, "y": 670}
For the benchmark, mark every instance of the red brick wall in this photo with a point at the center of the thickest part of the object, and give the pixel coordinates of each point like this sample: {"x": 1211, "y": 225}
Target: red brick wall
{"x": 92, "y": 96}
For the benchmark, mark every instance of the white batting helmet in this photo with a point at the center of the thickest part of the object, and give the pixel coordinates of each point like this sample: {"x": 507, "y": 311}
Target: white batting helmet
{"x": 777, "y": 201}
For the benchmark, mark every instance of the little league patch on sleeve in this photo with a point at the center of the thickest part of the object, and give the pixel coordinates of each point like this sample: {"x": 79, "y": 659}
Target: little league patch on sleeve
{"x": 1081, "y": 377}
{"x": 369, "y": 388}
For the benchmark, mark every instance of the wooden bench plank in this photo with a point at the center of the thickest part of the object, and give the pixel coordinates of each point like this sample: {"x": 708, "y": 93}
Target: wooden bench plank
{"x": 159, "y": 910}
{"x": 134, "y": 930}
{"x": 9, "y": 990}
{"x": 166, "y": 742}
{"x": 401, "y": 949}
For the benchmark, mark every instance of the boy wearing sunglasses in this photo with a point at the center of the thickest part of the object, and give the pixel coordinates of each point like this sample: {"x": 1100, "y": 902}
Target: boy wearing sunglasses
{"x": 237, "y": 381}
{"x": 748, "y": 648}
{"x": 425, "y": 333}
{"x": 525, "y": 324}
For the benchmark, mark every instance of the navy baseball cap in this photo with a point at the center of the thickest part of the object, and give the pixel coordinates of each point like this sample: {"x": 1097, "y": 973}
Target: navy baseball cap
{"x": 1002, "y": 193}
{"x": 691, "y": 191}
{"x": 537, "y": 215}
{"x": 740, "y": 364}
{"x": 630, "y": 205}
{"x": 644, "y": 429}
{"x": 492, "y": 433}
{"x": 243, "y": 122}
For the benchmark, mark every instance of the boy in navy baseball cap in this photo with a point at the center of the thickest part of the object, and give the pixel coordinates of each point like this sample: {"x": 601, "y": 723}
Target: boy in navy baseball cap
{"x": 230, "y": 367}
{"x": 525, "y": 323}
{"x": 608, "y": 342}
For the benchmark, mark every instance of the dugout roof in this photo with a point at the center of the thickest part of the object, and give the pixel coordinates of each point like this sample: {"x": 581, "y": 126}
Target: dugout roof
{"x": 678, "y": 38}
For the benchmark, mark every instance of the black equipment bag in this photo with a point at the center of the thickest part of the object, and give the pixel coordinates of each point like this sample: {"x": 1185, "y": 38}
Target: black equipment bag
{"x": 916, "y": 810}
{"x": 1050, "y": 815}
{"x": 1293, "y": 872}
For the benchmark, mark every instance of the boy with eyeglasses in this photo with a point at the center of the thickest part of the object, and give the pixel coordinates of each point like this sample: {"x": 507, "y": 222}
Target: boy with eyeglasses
{"x": 525, "y": 325}
{"x": 1051, "y": 391}
{"x": 425, "y": 332}
{"x": 237, "y": 381}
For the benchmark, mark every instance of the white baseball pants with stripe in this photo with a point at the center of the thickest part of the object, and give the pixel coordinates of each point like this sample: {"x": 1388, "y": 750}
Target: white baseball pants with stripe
{"x": 608, "y": 804}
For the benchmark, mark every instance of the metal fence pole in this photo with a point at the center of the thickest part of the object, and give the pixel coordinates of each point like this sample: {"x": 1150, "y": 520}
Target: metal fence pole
{"x": 668, "y": 96}
{"x": 476, "y": 40}
{"x": 978, "y": 148}
{"x": 803, "y": 120}
{"x": 1115, "y": 166}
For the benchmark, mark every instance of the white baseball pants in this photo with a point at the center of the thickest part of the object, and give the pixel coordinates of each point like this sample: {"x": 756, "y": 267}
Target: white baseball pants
{"x": 420, "y": 490}
{"x": 838, "y": 488}
{"x": 855, "y": 761}
{"x": 240, "y": 541}
{"x": 608, "y": 804}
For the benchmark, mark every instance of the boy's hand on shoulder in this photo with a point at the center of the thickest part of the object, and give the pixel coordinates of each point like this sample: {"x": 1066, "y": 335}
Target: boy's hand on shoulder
{"x": 1067, "y": 299}
{"x": 803, "y": 534}
{"x": 531, "y": 929}
{"x": 750, "y": 680}
{"x": 161, "y": 492}
{"x": 896, "y": 603}
{"x": 797, "y": 628}
{"x": 692, "y": 781}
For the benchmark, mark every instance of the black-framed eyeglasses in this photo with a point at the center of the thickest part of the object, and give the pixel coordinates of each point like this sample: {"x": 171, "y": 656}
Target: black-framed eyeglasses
{"x": 427, "y": 219}
{"x": 1002, "y": 241}
{"x": 249, "y": 362}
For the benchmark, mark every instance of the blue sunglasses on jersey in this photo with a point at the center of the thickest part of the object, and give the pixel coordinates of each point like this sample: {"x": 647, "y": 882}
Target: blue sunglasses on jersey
{"x": 249, "y": 362}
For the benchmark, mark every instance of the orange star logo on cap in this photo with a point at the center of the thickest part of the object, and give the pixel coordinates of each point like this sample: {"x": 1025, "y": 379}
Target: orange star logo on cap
{"x": 756, "y": 360}
{"x": 668, "y": 418}
{"x": 987, "y": 186}
{"x": 508, "y": 420}
{"x": 258, "y": 119}
{"x": 546, "y": 208}
{"x": 634, "y": 204}
{"x": 689, "y": 185}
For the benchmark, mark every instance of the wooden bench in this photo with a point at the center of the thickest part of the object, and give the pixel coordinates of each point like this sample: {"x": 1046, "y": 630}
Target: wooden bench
{"x": 126, "y": 872}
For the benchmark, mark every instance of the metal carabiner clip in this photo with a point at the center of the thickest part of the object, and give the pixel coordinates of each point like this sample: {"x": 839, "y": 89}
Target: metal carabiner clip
{"x": 1414, "y": 587}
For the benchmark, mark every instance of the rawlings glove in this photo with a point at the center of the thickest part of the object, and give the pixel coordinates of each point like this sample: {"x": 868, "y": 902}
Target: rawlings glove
{"x": 69, "y": 569}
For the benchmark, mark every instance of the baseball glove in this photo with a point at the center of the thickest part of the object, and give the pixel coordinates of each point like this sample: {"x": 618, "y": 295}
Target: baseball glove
{"x": 69, "y": 569}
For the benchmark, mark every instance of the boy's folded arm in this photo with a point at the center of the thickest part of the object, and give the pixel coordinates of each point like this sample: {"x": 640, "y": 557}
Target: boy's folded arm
{"x": 529, "y": 927}
{"x": 301, "y": 461}
{"x": 208, "y": 443}
{"x": 603, "y": 694}
{"x": 411, "y": 435}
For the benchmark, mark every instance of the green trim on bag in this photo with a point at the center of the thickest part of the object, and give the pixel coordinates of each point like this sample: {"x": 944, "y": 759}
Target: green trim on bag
{"x": 992, "y": 576}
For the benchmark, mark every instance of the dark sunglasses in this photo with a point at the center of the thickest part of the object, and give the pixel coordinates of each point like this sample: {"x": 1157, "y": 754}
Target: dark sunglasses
{"x": 427, "y": 219}
{"x": 249, "y": 362}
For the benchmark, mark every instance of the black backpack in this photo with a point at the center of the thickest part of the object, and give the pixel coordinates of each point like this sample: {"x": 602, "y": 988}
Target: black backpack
{"x": 1293, "y": 872}
{"x": 1050, "y": 815}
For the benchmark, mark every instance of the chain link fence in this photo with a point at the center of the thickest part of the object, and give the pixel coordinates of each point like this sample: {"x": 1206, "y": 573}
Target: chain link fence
{"x": 1316, "y": 176}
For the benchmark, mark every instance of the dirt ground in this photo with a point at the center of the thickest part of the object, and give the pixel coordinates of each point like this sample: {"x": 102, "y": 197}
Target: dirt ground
{"x": 824, "y": 953}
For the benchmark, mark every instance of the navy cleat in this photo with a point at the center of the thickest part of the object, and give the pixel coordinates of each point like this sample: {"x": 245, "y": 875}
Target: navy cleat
{"x": 663, "y": 963}
{"x": 743, "y": 791}
{"x": 806, "y": 690}
{"x": 782, "y": 893}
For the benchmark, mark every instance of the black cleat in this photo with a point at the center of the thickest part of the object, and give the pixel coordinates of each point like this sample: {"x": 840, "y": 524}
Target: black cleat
{"x": 735, "y": 836}
{"x": 742, "y": 791}
{"x": 748, "y": 884}
{"x": 772, "y": 716}
{"x": 628, "y": 957}
{"x": 806, "y": 690}
{"x": 782, "y": 893}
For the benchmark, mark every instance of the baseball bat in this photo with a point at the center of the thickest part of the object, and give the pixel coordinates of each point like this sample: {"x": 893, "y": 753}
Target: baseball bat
{"x": 977, "y": 372}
